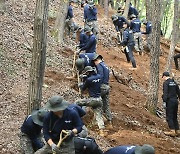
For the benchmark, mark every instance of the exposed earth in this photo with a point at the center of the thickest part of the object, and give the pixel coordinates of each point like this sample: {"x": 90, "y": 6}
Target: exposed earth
{"x": 132, "y": 123}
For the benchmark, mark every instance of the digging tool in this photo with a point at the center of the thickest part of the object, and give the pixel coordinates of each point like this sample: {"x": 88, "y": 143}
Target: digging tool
{"x": 74, "y": 62}
{"x": 79, "y": 80}
{"x": 61, "y": 139}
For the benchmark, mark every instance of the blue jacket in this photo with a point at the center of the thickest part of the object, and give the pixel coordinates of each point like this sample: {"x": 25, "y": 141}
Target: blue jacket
{"x": 135, "y": 25}
{"x": 119, "y": 23}
{"x": 93, "y": 84}
{"x": 69, "y": 13}
{"x": 121, "y": 150}
{"x": 78, "y": 109}
{"x": 128, "y": 38}
{"x": 90, "y": 14}
{"x": 103, "y": 70}
{"x": 83, "y": 39}
{"x": 132, "y": 10}
{"x": 33, "y": 131}
{"x": 53, "y": 125}
{"x": 90, "y": 46}
{"x": 87, "y": 58}
{"x": 148, "y": 28}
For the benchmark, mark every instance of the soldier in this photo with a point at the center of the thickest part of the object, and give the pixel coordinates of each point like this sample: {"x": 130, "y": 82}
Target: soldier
{"x": 103, "y": 70}
{"x": 90, "y": 46}
{"x": 132, "y": 10}
{"x": 85, "y": 59}
{"x": 118, "y": 22}
{"x": 30, "y": 135}
{"x": 90, "y": 16}
{"x": 128, "y": 43}
{"x": 60, "y": 118}
{"x": 92, "y": 82}
{"x": 170, "y": 94}
{"x": 135, "y": 26}
{"x": 132, "y": 149}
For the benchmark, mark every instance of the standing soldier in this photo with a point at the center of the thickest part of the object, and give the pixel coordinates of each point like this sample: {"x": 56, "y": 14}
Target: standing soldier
{"x": 90, "y": 16}
{"x": 69, "y": 19}
{"x": 128, "y": 43}
{"x": 92, "y": 82}
{"x": 135, "y": 26}
{"x": 103, "y": 70}
{"x": 60, "y": 118}
{"x": 90, "y": 46}
{"x": 118, "y": 22}
{"x": 170, "y": 94}
{"x": 176, "y": 57}
{"x": 30, "y": 139}
{"x": 132, "y": 10}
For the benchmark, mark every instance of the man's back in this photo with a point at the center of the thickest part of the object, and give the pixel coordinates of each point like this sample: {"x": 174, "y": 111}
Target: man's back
{"x": 121, "y": 150}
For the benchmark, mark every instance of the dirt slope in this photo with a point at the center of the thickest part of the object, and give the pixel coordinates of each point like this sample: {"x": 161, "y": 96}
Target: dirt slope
{"x": 133, "y": 124}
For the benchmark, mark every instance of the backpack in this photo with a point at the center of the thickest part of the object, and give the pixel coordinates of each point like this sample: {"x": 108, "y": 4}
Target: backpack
{"x": 86, "y": 145}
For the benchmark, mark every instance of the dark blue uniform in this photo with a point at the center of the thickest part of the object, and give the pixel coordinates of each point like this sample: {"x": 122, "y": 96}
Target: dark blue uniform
{"x": 121, "y": 150}
{"x": 83, "y": 39}
{"x": 93, "y": 83}
{"x": 148, "y": 28}
{"x": 90, "y": 46}
{"x": 128, "y": 41}
{"x": 103, "y": 70}
{"x": 33, "y": 131}
{"x": 90, "y": 14}
{"x": 87, "y": 58}
{"x": 135, "y": 25}
{"x": 170, "y": 94}
{"x": 69, "y": 13}
{"x": 119, "y": 23}
{"x": 132, "y": 10}
{"x": 78, "y": 109}
{"x": 53, "y": 125}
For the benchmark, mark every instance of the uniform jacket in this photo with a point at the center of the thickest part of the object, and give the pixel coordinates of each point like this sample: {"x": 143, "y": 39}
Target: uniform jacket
{"x": 127, "y": 37}
{"x": 69, "y": 13}
{"x": 121, "y": 150}
{"x": 119, "y": 23}
{"x": 87, "y": 58}
{"x": 90, "y": 14}
{"x": 132, "y": 10}
{"x": 83, "y": 39}
{"x": 103, "y": 70}
{"x": 33, "y": 131}
{"x": 93, "y": 84}
{"x": 135, "y": 25}
{"x": 90, "y": 46}
{"x": 53, "y": 125}
{"x": 148, "y": 28}
{"x": 170, "y": 90}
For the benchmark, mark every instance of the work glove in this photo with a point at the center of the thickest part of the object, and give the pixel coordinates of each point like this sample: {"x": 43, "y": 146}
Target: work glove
{"x": 164, "y": 105}
{"x": 78, "y": 51}
{"x": 82, "y": 76}
{"x": 70, "y": 134}
{"x": 54, "y": 148}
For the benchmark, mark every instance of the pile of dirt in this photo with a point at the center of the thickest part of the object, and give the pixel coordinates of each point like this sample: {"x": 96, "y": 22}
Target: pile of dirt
{"x": 133, "y": 124}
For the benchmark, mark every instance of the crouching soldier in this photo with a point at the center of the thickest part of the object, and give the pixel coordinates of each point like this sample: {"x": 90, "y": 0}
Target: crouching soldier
{"x": 93, "y": 83}
{"x": 30, "y": 136}
{"x": 60, "y": 118}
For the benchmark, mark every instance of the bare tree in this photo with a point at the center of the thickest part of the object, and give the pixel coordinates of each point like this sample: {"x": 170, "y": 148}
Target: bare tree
{"x": 60, "y": 21}
{"x": 106, "y": 7}
{"x": 38, "y": 55}
{"x": 153, "y": 88}
{"x": 148, "y": 10}
{"x": 2, "y": 6}
{"x": 126, "y": 10}
{"x": 174, "y": 36}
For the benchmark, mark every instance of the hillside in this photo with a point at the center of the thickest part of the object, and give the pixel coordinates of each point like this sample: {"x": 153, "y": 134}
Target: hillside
{"x": 133, "y": 124}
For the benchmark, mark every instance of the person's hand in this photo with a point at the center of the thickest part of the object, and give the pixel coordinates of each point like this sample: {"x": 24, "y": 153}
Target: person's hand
{"x": 80, "y": 85}
{"x": 78, "y": 51}
{"x": 54, "y": 148}
{"x": 118, "y": 33}
{"x": 164, "y": 105}
{"x": 82, "y": 76}
{"x": 70, "y": 134}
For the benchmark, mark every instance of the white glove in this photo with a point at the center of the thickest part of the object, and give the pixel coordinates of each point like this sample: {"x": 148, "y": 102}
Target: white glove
{"x": 164, "y": 105}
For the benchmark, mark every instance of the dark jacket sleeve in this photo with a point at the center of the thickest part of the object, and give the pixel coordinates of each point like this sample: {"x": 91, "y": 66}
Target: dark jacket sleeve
{"x": 93, "y": 11}
{"x": 178, "y": 91}
{"x": 70, "y": 12}
{"x": 125, "y": 38}
{"x": 46, "y": 123}
{"x": 165, "y": 91}
{"x": 88, "y": 44}
{"x": 77, "y": 121}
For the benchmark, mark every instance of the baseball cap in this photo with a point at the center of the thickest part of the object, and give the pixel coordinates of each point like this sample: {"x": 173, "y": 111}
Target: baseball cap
{"x": 165, "y": 74}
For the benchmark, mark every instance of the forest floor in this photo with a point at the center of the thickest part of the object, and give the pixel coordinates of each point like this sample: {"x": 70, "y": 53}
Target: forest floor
{"x": 132, "y": 123}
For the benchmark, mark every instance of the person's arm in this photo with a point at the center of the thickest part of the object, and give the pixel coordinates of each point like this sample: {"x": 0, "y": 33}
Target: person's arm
{"x": 178, "y": 91}
{"x": 77, "y": 123}
{"x": 125, "y": 38}
{"x": 46, "y": 126}
{"x": 93, "y": 11}
{"x": 85, "y": 85}
{"x": 126, "y": 21}
{"x": 165, "y": 91}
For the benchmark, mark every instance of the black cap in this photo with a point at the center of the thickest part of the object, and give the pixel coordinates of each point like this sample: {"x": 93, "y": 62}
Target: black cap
{"x": 165, "y": 74}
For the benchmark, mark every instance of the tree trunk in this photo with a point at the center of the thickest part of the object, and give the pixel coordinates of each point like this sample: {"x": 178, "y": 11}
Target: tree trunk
{"x": 148, "y": 10}
{"x": 152, "y": 99}
{"x": 60, "y": 21}
{"x": 38, "y": 55}
{"x": 165, "y": 4}
{"x": 101, "y": 3}
{"x": 126, "y": 10}
{"x": 106, "y": 7}
{"x": 117, "y": 4}
{"x": 2, "y": 6}
{"x": 174, "y": 37}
